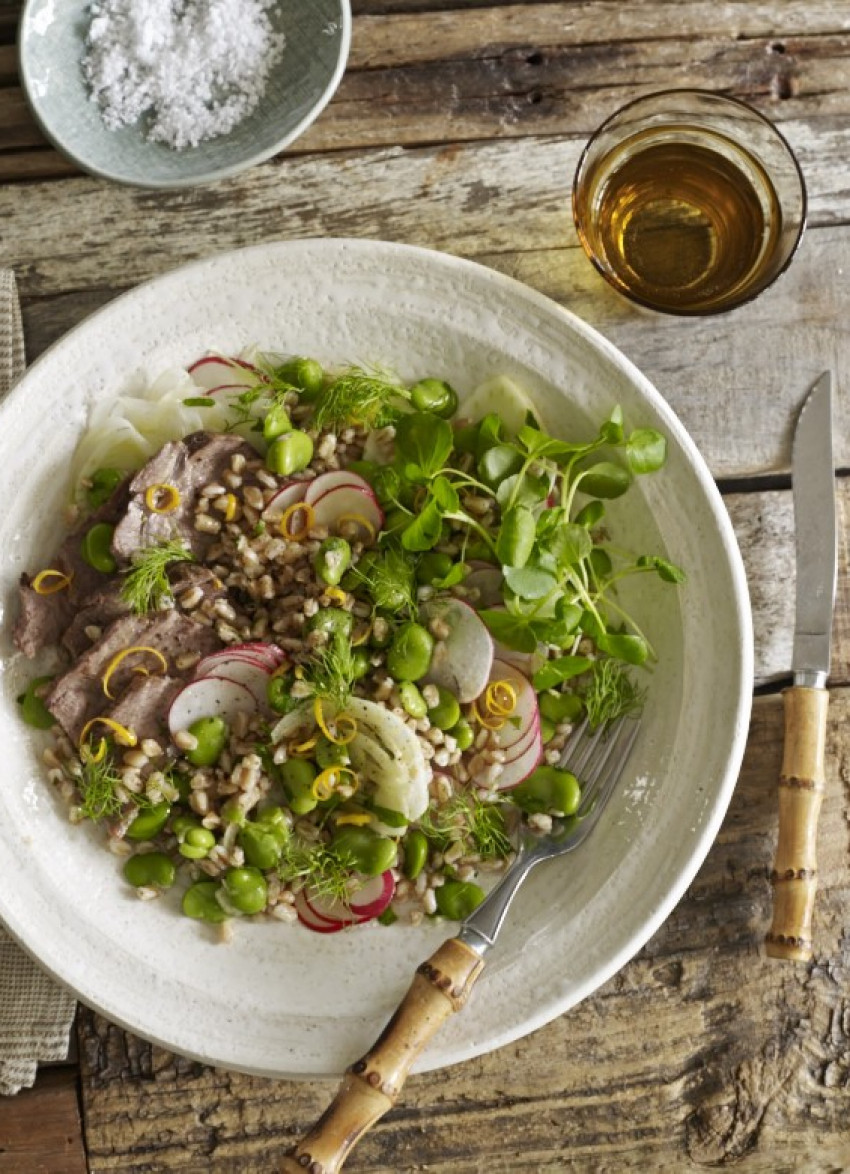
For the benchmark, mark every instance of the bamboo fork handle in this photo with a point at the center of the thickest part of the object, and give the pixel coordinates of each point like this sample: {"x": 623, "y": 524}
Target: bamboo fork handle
{"x": 801, "y": 786}
{"x": 370, "y": 1086}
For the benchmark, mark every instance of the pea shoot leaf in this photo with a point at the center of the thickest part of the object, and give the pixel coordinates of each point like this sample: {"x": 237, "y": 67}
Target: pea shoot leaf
{"x": 589, "y": 515}
{"x": 646, "y": 450}
{"x": 512, "y": 631}
{"x": 530, "y": 582}
{"x": 445, "y": 494}
{"x": 605, "y": 479}
{"x": 424, "y": 441}
{"x": 424, "y": 531}
{"x": 498, "y": 462}
{"x": 624, "y": 646}
{"x": 564, "y": 668}
{"x": 667, "y": 571}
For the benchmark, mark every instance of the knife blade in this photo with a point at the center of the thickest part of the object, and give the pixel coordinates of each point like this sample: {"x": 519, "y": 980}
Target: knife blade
{"x": 801, "y": 781}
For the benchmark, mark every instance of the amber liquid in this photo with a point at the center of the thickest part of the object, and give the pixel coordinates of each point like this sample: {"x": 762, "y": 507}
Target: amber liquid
{"x": 688, "y": 225}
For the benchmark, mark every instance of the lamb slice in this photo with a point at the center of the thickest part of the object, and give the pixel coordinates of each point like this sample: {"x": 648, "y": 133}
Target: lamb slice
{"x": 98, "y": 610}
{"x": 77, "y": 696}
{"x": 143, "y": 707}
{"x": 42, "y": 619}
{"x": 188, "y": 465}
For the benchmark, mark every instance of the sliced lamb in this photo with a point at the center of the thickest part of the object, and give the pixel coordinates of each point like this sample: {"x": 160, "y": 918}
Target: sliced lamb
{"x": 143, "y": 707}
{"x": 42, "y": 619}
{"x": 78, "y": 695}
{"x": 185, "y": 466}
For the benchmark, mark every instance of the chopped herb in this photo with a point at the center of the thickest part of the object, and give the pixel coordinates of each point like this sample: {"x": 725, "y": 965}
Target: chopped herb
{"x": 331, "y": 673}
{"x": 98, "y": 785}
{"x": 611, "y": 693}
{"x": 468, "y": 819}
{"x": 355, "y": 397}
{"x": 324, "y": 870}
{"x": 146, "y": 586}
{"x": 390, "y": 582}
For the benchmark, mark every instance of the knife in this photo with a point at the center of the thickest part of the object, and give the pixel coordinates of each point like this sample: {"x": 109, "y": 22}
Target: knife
{"x": 801, "y": 783}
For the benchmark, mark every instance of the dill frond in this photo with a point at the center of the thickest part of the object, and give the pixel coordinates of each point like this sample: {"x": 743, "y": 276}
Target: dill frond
{"x": 469, "y": 820}
{"x": 356, "y": 397}
{"x": 330, "y": 674}
{"x": 325, "y": 871}
{"x": 98, "y": 785}
{"x": 611, "y": 693}
{"x": 390, "y": 580}
{"x": 146, "y": 586}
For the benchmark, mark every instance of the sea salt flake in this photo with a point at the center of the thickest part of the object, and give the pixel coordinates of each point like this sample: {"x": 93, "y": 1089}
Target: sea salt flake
{"x": 193, "y": 69}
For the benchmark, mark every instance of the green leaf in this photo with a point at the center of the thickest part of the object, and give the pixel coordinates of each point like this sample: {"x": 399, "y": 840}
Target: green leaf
{"x": 563, "y": 668}
{"x": 569, "y": 545}
{"x": 605, "y": 479}
{"x": 631, "y": 649}
{"x": 424, "y": 440}
{"x": 499, "y": 462}
{"x": 560, "y": 633}
{"x": 538, "y": 444}
{"x": 515, "y": 540}
{"x": 590, "y": 514}
{"x": 424, "y": 531}
{"x": 530, "y": 582}
{"x": 646, "y": 450}
{"x": 510, "y": 630}
{"x": 665, "y": 570}
{"x": 600, "y": 561}
{"x": 489, "y": 433}
{"x": 525, "y": 489}
{"x": 456, "y": 575}
{"x": 445, "y": 494}
{"x": 612, "y": 431}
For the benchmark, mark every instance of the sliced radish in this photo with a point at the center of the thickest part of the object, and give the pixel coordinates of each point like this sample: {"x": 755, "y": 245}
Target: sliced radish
{"x": 254, "y": 677}
{"x": 462, "y": 661}
{"x": 519, "y": 768}
{"x": 318, "y": 924}
{"x": 375, "y": 895}
{"x": 525, "y": 715}
{"x": 348, "y": 503}
{"x": 209, "y": 697}
{"x": 215, "y": 372}
{"x": 325, "y": 482}
{"x": 287, "y": 495}
{"x": 254, "y": 651}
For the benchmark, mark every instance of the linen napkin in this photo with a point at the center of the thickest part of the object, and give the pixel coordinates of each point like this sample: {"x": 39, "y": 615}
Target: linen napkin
{"x": 35, "y": 1014}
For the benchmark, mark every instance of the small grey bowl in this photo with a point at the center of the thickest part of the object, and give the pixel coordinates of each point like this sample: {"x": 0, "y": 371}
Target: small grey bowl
{"x": 51, "y": 46}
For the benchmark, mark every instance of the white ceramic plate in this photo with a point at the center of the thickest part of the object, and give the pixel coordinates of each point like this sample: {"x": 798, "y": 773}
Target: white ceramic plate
{"x": 283, "y": 1001}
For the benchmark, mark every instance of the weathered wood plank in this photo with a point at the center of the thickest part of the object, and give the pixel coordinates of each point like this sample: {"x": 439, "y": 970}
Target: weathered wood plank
{"x": 505, "y": 205}
{"x": 736, "y": 1057}
{"x": 416, "y": 78}
{"x": 40, "y": 1128}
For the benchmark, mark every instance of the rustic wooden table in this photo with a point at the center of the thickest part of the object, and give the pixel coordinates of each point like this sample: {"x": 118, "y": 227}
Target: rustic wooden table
{"x": 458, "y": 126}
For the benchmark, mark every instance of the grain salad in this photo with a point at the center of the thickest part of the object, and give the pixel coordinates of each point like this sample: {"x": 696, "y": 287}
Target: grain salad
{"x": 317, "y": 637}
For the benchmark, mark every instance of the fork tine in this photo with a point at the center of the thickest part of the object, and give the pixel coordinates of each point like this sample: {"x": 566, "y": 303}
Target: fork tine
{"x": 598, "y": 761}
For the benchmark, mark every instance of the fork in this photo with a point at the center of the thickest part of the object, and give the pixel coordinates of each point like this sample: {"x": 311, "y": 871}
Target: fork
{"x": 442, "y": 984}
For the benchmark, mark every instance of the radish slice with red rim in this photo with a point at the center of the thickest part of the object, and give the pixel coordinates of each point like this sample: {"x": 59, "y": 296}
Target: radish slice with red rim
{"x": 253, "y": 676}
{"x": 311, "y": 921}
{"x": 375, "y": 895}
{"x": 348, "y": 503}
{"x": 337, "y": 479}
{"x": 214, "y": 372}
{"x": 289, "y": 494}
{"x": 209, "y": 697}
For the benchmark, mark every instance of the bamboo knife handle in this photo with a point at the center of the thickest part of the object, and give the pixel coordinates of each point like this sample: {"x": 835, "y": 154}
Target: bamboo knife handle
{"x": 370, "y": 1086}
{"x": 801, "y": 787}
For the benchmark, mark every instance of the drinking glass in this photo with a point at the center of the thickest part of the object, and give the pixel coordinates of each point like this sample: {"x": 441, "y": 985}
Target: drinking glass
{"x": 689, "y": 202}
